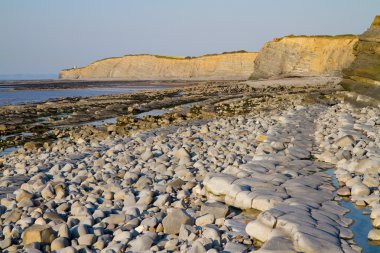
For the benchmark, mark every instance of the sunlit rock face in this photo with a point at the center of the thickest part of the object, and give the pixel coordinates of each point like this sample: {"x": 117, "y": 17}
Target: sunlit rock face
{"x": 294, "y": 56}
{"x": 363, "y": 75}
{"x": 226, "y": 66}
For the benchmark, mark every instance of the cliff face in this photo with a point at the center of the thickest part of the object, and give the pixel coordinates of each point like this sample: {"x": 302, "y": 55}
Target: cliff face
{"x": 228, "y": 66}
{"x": 363, "y": 76}
{"x": 304, "y": 56}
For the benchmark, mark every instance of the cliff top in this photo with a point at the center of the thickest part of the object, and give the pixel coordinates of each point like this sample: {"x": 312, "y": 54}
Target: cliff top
{"x": 169, "y": 57}
{"x": 339, "y": 36}
{"x": 376, "y": 22}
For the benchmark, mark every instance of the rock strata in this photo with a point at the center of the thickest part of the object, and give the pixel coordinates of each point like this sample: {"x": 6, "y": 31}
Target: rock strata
{"x": 227, "y": 66}
{"x": 363, "y": 76}
{"x": 304, "y": 56}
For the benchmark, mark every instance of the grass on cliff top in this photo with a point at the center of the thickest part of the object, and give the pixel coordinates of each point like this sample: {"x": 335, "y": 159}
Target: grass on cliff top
{"x": 188, "y": 57}
{"x": 163, "y": 57}
{"x": 340, "y": 36}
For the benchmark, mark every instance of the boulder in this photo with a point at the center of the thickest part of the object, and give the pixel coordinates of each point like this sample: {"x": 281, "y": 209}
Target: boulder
{"x": 218, "y": 209}
{"x": 175, "y": 218}
{"x": 39, "y": 234}
{"x": 359, "y": 189}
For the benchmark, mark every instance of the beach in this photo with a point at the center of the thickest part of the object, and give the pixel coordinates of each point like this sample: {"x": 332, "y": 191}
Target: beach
{"x": 226, "y": 166}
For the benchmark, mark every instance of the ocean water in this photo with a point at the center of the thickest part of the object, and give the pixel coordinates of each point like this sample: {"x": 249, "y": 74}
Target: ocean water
{"x": 11, "y": 96}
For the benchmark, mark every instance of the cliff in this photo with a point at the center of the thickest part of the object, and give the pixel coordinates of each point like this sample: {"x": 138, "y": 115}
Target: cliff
{"x": 304, "y": 56}
{"x": 363, "y": 76}
{"x": 227, "y": 66}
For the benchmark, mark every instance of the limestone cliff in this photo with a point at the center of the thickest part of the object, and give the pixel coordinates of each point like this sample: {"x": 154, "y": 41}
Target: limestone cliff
{"x": 304, "y": 56}
{"x": 363, "y": 76}
{"x": 227, "y": 66}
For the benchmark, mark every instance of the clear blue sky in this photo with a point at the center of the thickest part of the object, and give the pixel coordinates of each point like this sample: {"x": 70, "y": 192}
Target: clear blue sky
{"x": 42, "y": 37}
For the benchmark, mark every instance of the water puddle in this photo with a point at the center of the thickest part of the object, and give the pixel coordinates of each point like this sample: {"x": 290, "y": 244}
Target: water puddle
{"x": 158, "y": 112}
{"x": 101, "y": 122}
{"x": 24, "y": 134}
{"x": 154, "y": 112}
{"x": 7, "y": 151}
{"x": 362, "y": 222}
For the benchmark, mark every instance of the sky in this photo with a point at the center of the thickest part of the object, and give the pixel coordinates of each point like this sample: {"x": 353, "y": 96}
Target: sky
{"x": 45, "y": 36}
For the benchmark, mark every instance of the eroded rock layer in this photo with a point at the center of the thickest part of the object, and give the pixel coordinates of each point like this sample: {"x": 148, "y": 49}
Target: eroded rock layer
{"x": 304, "y": 56}
{"x": 363, "y": 76}
{"x": 227, "y": 66}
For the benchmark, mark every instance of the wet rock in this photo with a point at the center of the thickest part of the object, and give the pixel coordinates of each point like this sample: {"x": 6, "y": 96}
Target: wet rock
{"x": 344, "y": 191}
{"x": 374, "y": 235}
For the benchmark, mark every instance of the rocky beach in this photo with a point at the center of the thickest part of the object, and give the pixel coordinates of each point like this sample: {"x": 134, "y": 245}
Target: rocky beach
{"x": 246, "y": 166}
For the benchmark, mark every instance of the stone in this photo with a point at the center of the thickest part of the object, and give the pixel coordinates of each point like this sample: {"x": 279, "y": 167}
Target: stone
{"x": 161, "y": 200}
{"x": 38, "y": 233}
{"x": 174, "y": 219}
{"x": 261, "y": 138}
{"x": 12, "y": 216}
{"x": 375, "y": 212}
{"x": 345, "y": 141}
{"x": 48, "y": 192}
{"x": 359, "y": 189}
{"x": 59, "y": 243}
{"x": 124, "y": 236}
{"x": 197, "y": 247}
{"x": 64, "y": 231}
{"x": 88, "y": 239}
{"x": 141, "y": 243}
{"x": 204, "y": 220}
{"x": 258, "y": 230}
{"x": 344, "y": 191}
{"x": 22, "y": 194}
{"x": 171, "y": 244}
{"x": 277, "y": 242}
{"x": 31, "y": 146}
{"x": 204, "y": 129}
{"x": 234, "y": 247}
{"x": 374, "y": 235}
{"x": 115, "y": 219}
{"x": 376, "y": 222}
{"x": 218, "y": 209}
{"x": 147, "y": 155}
{"x": 182, "y": 154}
{"x": 7, "y": 242}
